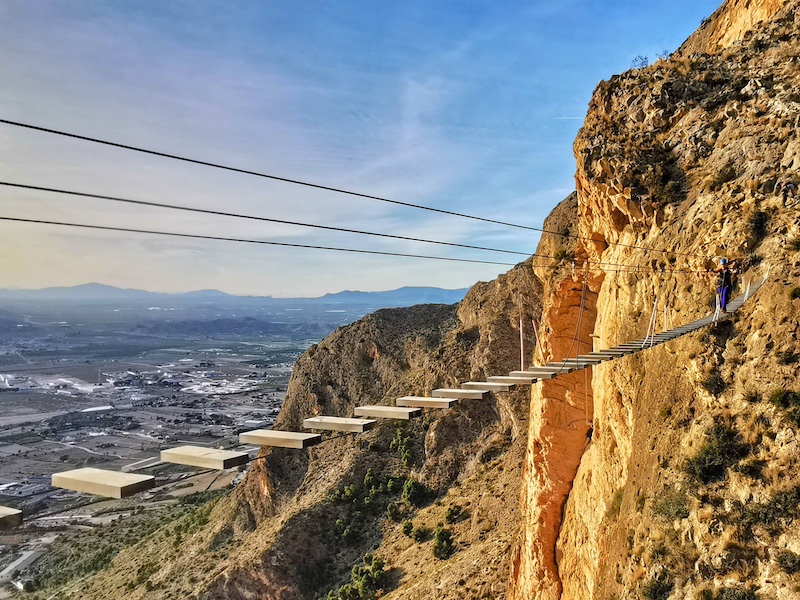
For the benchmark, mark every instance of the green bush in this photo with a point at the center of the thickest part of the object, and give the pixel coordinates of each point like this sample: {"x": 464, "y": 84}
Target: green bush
{"x": 672, "y": 505}
{"x": 443, "y": 546}
{"x": 393, "y": 511}
{"x": 415, "y": 493}
{"x": 366, "y": 581}
{"x": 452, "y": 514}
{"x": 722, "y": 449}
{"x": 774, "y": 514}
{"x": 407, "y": 527}
{"x": 402, "y": 443}
{"x": 794, "y": 294}
{"x": 789, "y": 561}
{"x": 420, "y": 533}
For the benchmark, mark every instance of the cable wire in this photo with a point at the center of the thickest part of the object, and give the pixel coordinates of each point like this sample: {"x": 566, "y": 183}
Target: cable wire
{"x": 249, "y": 241}
{"x": 317, "y": 247}
{"x": 252, "y": 217}
{"x": 328, "y": 188}
{"x": 308, "y": 184}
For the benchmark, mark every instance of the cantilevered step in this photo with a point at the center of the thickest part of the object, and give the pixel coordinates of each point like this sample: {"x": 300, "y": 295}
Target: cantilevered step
{"x": 602, "y": 356}
{"x": 101, "y": 482}
{"x": 10, "y": 517}
{"x": 461, "y": 394}
{"x": 388, "y": 412}
{"x": 546, "y": 372}
{"x": 339, "y": 424}
{"x": 204, "y": 458}
{"x": 579, "y": 360}
{"x": 279, "y": 439}
{"x": 512, "y": 380}
{"x": 424, "y": 402}
{"x": 527, "y": 375}
{"x": 611, "y": 352}
{"x": 489, "y": 386}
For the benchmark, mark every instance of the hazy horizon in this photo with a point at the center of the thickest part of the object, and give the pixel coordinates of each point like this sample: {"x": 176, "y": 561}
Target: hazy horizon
{"x": 460, "y": 106}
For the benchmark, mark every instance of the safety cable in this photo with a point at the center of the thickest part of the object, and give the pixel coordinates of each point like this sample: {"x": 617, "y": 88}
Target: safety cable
{"x": 249, "y": 241}
{"x": 251, "y": 217}
{"x": 324, "y": 187}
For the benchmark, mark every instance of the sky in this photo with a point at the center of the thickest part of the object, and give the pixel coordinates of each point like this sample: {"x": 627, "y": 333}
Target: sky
{"x": 461, "y": 105}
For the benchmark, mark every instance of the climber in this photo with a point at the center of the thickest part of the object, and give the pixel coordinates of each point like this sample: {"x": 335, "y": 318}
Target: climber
{"x": 788, "y": 189}
{"x": 725, "y": 281}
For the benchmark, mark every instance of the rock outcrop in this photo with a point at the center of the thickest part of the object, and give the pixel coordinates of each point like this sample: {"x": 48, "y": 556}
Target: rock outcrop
{"x": 669, "y": 474}
{"x": 681, "y": 158}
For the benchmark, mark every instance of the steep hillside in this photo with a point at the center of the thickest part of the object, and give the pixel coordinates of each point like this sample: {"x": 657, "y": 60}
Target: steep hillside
{"x": 666, "y": 475}
{"x": 686, "y": 489}
{"x": 302, "y": 520}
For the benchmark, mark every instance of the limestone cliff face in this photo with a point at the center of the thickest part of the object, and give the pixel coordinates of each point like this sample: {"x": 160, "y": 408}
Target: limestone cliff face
{"x": 681, "y": 158}
{"x": 730, "y": 23}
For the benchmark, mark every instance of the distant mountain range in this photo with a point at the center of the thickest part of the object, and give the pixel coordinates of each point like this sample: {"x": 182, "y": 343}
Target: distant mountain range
{"x": 96, "y": 292}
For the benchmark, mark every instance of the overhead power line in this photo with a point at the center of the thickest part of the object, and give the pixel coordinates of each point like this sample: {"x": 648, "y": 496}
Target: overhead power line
{"x": 331, "y": 188}
{"x": 220, "y": 213}
{"x": 248, "y": 241}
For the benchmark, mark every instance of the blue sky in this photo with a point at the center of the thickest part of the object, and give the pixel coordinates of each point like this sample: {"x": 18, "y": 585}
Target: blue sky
{"x": 467, "y": 105}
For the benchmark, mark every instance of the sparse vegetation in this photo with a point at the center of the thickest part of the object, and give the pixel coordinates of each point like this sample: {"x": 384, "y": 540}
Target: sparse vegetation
{"x": 728, "y": 594}
{"x": 672, "y": 505}
{"x": 616, "y": 503}
{"x": 722, "y": 448}
{"x": 713, "y": 383}
{"x": 788, "y": 561}
{"x": 420, "y": 533}
{"x": 562, "y": 254}
{"x": 402, "y": 443}
{"x": 367, "y": 580}
{"x": 443, "y": 546}
{"x": 416, "y": 494}
{"x": 789, "y": 401}
{"x": 758, "y": 224}
{"x": 751, "y": 468}
{"x": 773, "y": 515}
{"x": 452, "y": 514}
{"x": 657, "y": 588}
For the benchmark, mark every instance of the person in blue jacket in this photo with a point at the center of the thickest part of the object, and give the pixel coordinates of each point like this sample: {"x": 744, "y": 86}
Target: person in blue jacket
{"x": 725, "y": 280}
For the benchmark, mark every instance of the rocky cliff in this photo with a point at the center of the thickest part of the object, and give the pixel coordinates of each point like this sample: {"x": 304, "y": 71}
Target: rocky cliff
{"x": 681, "y": 158}
{"x": 669, "y": 474}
